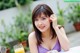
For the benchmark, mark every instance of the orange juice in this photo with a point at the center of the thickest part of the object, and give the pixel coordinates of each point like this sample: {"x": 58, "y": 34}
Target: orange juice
{"x": 19, "y": 50}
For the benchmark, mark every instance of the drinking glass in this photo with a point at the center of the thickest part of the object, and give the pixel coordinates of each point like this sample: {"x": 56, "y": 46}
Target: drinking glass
{"x": 19, "y": 48}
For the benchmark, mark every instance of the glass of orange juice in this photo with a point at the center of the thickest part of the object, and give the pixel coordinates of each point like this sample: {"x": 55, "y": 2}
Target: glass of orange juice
{"x": 19, "y": 48}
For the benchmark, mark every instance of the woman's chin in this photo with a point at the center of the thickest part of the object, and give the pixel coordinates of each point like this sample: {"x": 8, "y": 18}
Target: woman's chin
{"x": 42, "y": 31}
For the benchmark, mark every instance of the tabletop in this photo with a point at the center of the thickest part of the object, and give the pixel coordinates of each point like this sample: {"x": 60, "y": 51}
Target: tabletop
{"x": 73, "y": 50}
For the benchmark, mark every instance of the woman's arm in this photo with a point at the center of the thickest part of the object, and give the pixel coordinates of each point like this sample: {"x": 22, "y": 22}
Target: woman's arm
{"x": 64, "y": 42}
{"x": 32, "y": 43}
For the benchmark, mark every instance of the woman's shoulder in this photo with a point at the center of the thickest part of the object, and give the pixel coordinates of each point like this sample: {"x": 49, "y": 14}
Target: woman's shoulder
{"x": 32, "y": 33}
{"x": 32, "y": 36}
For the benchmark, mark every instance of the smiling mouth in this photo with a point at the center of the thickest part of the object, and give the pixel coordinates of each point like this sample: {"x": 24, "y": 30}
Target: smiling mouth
{"x": 42, "y": 27}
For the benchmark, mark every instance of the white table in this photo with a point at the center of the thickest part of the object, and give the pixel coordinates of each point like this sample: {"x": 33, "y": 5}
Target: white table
{"x": 73, "y": 50}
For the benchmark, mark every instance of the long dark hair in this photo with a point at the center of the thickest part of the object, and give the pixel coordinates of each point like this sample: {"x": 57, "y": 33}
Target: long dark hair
{"x": 45, "y": 9}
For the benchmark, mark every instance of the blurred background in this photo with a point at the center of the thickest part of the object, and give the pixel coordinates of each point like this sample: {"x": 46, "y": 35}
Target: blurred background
{"x": 16, "y": 24}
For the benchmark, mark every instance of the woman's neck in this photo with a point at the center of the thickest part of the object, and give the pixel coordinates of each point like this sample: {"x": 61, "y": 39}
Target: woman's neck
{"x": 47, "y": 33}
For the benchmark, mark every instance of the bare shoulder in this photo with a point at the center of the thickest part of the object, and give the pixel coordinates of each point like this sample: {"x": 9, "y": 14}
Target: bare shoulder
{"x": 32, "y": 43}
{"x": 32, "y": 36}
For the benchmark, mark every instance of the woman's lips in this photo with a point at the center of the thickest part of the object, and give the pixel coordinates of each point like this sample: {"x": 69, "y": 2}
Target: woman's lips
{"x": 41, "y": 27}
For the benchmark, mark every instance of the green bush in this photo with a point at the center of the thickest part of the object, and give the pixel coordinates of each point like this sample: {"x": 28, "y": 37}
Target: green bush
{"x": 60, "y": 15}
{"x": 5, "y": 4}
{"x": 22, "y": 21}
{"x": 17, "y": 31}
{"x": 74, "y": 13}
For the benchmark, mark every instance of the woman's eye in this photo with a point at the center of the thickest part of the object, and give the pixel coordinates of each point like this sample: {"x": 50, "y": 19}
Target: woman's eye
{"x": 36, "y": 19}
{"x": 43, "y": 18}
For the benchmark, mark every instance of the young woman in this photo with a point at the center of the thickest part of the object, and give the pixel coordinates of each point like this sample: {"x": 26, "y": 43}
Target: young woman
{"x": 47, "y": 35}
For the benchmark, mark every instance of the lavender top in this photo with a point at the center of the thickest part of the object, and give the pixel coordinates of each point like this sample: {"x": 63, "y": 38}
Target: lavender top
{"x": 44, "y": 50}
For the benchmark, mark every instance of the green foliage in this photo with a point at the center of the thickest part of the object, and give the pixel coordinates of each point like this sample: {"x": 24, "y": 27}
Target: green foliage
{"x": 4, "y": 42}
{"x": 22, "y": 24}
{"x": 5, "y": 4}
{"x": 60, "y": 15}
{"x": 74, "y": 13}
{"x": 17, "y": 31}
{"x": 22, "y": 21}
{"x": 22, "y": 36}
{"x": 60, "y": 21}
{"x": 11, "y": 50}
{"x": 3, "y": 36}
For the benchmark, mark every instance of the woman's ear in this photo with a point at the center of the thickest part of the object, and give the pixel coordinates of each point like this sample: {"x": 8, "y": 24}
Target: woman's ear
{"x": 50, "y": 20}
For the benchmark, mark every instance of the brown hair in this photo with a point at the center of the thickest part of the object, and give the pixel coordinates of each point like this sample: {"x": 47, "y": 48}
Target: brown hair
{"x": 45, "y": 9}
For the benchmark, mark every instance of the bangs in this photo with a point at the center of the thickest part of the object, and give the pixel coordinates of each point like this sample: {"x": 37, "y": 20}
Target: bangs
{"x": 39, "y": 12}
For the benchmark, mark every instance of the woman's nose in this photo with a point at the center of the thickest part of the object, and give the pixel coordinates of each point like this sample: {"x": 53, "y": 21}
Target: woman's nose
{"x": 40, "y": 23}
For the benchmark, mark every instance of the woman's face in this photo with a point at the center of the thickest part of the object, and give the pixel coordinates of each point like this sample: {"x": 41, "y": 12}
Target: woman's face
{"x": 42, "y": 22}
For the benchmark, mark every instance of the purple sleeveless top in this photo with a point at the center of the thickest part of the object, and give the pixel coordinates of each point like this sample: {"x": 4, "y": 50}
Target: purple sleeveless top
{"x": 44, "y": 50}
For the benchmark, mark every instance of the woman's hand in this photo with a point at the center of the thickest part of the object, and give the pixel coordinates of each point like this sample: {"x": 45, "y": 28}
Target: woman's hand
{"x": 53, "y": 18}
{"x": 53, "y": 51}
